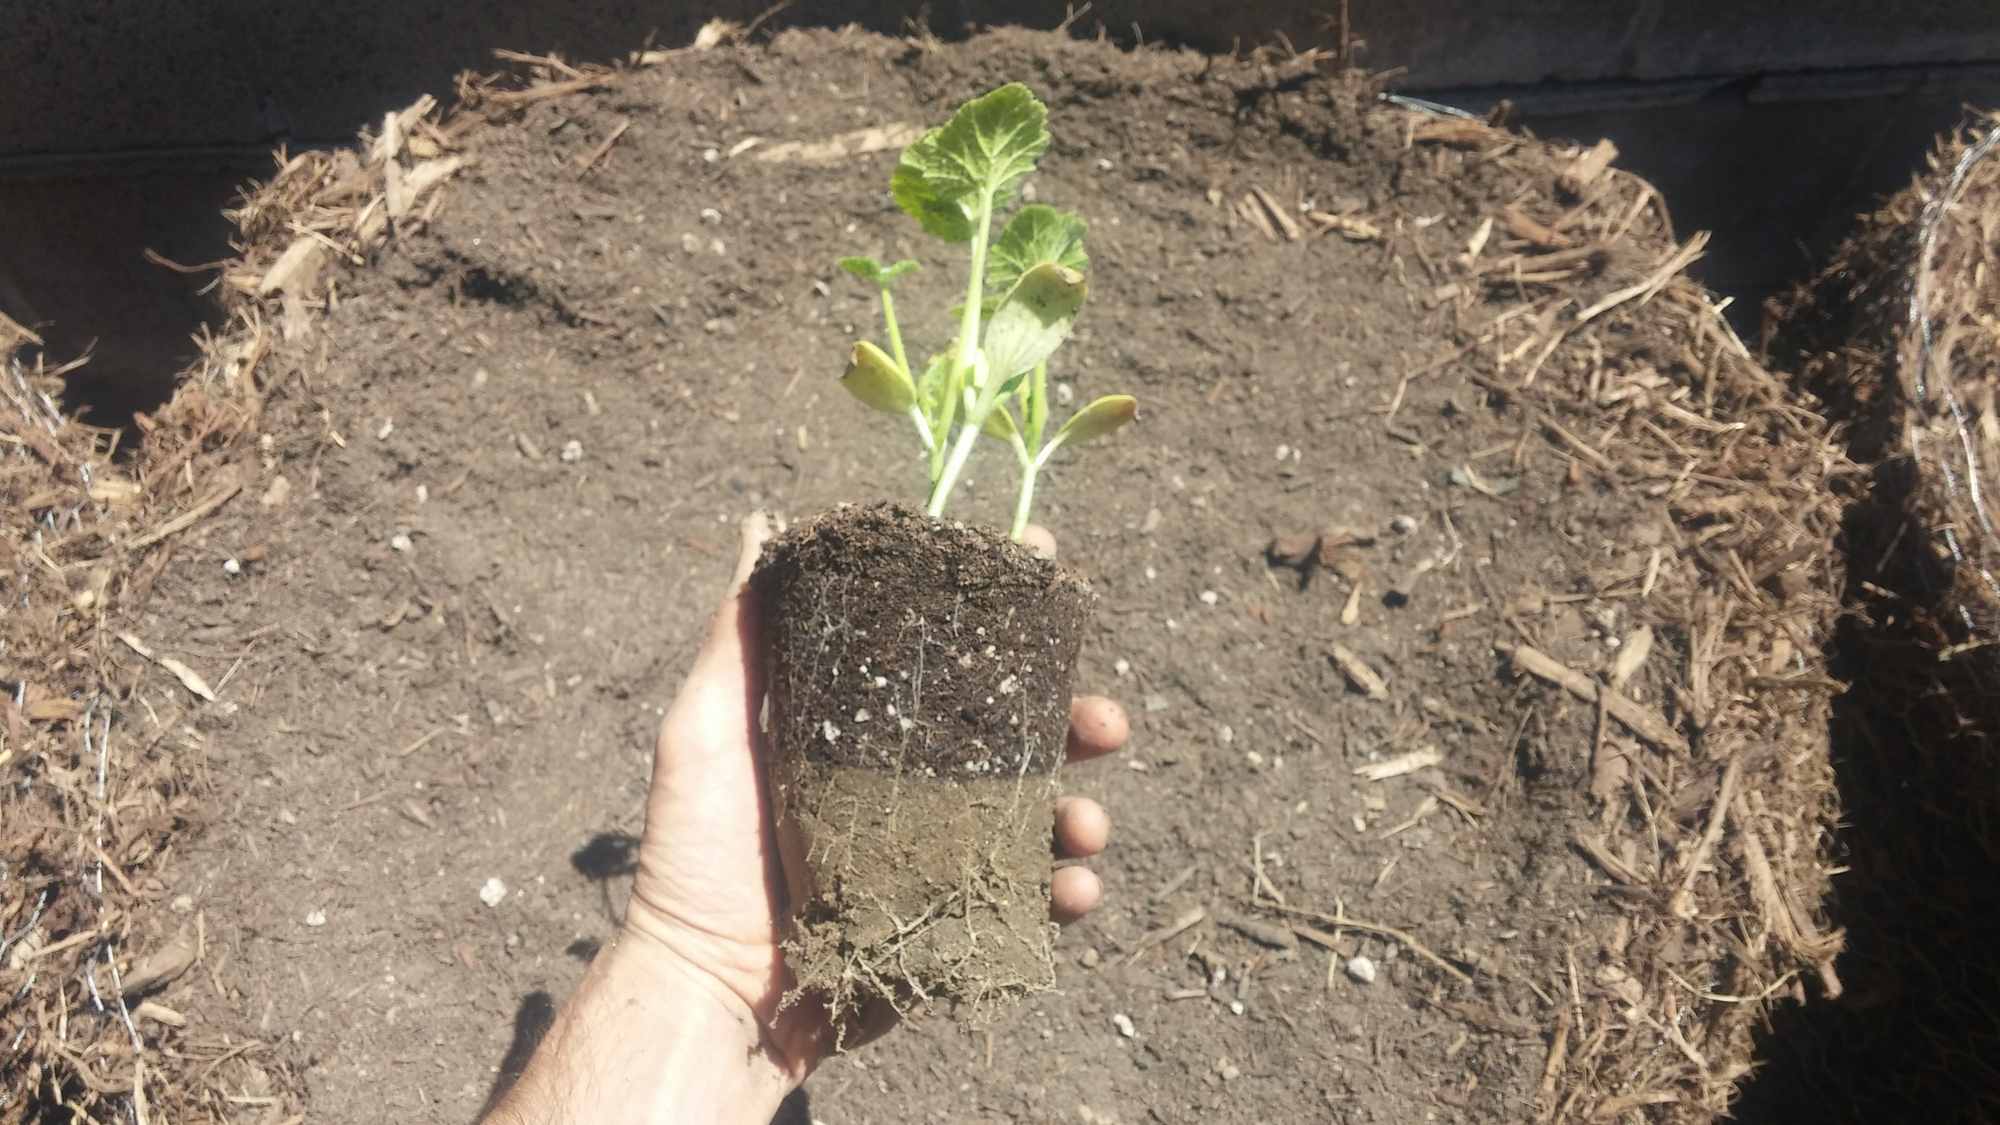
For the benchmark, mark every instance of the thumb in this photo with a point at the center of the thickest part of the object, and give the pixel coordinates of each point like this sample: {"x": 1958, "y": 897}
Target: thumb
{"x": 726, "y": 684}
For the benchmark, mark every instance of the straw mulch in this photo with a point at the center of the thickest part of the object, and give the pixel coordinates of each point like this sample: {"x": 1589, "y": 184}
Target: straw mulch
{"x": 1713, "y": 832}
{"x": 97, "y": 785}
{"x": 1898, "y": 334}
{"x": 1714, "y": 812}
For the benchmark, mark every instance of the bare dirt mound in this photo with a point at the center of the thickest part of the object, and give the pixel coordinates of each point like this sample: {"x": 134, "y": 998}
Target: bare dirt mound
{"x": 1897, "y": 334}
{"x": 1496, "y": 788}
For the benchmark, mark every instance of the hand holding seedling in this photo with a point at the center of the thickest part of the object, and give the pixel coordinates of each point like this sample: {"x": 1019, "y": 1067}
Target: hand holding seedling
{"x": 1022, "y": 295}
{"x": 683, "y": 1017}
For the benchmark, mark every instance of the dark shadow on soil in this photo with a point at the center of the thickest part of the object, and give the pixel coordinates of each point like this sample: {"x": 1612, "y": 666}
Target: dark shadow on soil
{"x": 795, "y": 1110}
{"x": 1916, "y": 1034}
{"x": 531, "y": 1021}
{"x": 606, "y": 856}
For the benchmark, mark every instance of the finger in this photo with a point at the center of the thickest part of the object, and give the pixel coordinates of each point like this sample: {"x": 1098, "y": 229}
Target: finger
{"x": 727, "y": 673}
{"x": 1083, "y": 828}
{"x": 1073, "y": 893}
{"x": 1040, "y": 540}
{"x": 1097, "y": 726}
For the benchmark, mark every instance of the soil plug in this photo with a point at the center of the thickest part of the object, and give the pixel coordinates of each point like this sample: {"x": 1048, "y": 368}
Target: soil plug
{"x": 920, "y": 677}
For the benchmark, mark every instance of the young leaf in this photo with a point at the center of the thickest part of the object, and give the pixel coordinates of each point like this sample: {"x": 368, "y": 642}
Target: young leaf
{"x": 874, "y": 272}
{"x": 1032, "y": 321}
{"x": 987, "y": 147}
{"x": 1000, "y": 424}
{"x": 931, "y": 384}
{"x": 945, "y": 217}
{"x": 875, "y": 379}
{"x": 1095, "y": 420}
{"x": 1037, "y": 233}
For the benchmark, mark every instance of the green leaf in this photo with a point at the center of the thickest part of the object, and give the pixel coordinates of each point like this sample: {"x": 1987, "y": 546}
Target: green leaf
{"x": 932, "y": 385}
{"x": 1000, "y": 424}
{"x": 1032, "y": 321}
{"x": 875, "y": 273}
{"x": 941, "y": 217}
{"x": 987, "y": 147}
{"x": 875, "y": 379}
{"x": 1097, "y": 419}
{"x": 1037, "y": 233}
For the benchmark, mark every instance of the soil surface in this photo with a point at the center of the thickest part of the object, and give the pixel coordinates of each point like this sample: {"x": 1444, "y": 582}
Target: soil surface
{"x": 497, "y": 498}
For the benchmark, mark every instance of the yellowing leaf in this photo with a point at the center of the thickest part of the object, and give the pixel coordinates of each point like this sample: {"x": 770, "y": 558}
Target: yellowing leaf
{"x": 875, "y": 379}
{"x": 1033, "y": 320}
{"x": 1097, "y": 419}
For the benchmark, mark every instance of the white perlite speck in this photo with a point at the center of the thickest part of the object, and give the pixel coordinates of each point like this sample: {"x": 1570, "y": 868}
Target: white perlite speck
{"x": 1361, "y": 969}
{"x": 830, "y": 732}
{"x": 493, "y": 891}
{"x": 1123, "y": 1023}
{"x": 316, "y": 918}
{"x": 572, "y": 452}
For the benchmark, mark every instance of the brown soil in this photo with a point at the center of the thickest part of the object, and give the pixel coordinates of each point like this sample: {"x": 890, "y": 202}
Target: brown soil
{"x": 512, "y": 444}
{"x": 920, "y": 697}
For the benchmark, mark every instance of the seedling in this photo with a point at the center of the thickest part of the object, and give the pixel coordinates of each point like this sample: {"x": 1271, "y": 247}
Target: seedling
{"x": 1023, "y": 292}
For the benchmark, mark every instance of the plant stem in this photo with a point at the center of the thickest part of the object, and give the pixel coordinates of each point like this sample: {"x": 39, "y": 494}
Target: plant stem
{"x": 1025, "y": 501}
{"x": 975, "y": 286}
{"x": 967, "y": 367}
{"x": 895, "y": 333}
{"x": 961, "y": 451}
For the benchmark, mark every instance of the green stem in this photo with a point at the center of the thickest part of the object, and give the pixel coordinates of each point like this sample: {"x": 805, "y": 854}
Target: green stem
{"x": 895, "y": 333}
{"x": 966, "y": 368}
{"x": 961, "y": 451}
{"x": 1024, "y": 502}
{"x": 975, "y": 286}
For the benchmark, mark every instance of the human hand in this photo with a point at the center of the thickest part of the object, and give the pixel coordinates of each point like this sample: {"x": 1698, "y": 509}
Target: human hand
{"x": 710, "y": 898}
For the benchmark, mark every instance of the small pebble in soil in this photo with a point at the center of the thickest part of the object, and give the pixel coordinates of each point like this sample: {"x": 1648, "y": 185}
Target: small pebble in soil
{"x": 1122, "y": 666}
{"x": 1402, "y": 525}
{"x": 1090, "y": 958}
{"x": 1361, "y": 969}
{"x": 1236, "y": 1007}
{"x": 1255, "y": 759}
{"x": 1227, "y": 1070}
{"x": 479, "y": 377}
{"x": 1103, "y": 164}
{"x": 1065, "y": 394}
{"x": 1155, "y": 703}
{"x": 1123, "y": 1023}
{"x": 1151, "y": 523}
{"x": 492, "y": 891}
{"x": 231, "y": 567}
{"x": 572, "y": 451}
{"x": 690, "y": 243}
{"x": 423, "y": 494}
{"x": 1284, "y": 451}
{"x": 388, "y": 427}
{"x": 182, "y": 904}
{"x": 710, "y": 215}
{"x": 316, "y": 918}
{"x": 1210, "y": 597}
{"x": 400, "y": 542}
{"x": 1227, "y": 734}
